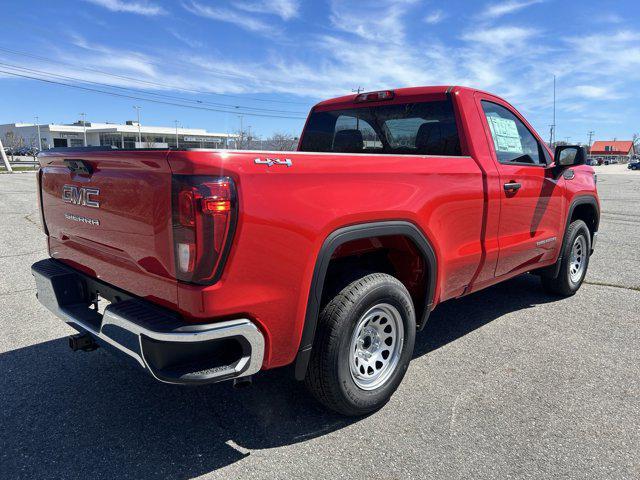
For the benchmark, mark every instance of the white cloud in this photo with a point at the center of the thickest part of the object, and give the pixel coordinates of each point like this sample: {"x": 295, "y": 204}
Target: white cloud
{"x": 245, "y": 21}
{"x": 501, "y": 37}
{"x": 435, "y": 17}
{"x": 285, "y": 9}
{"x": 114, "y": 60}
{"x": 138, "y": 7}
{"x": 591, "y": 91}
{"x": 381, "y": 20}
{"x": 500, "y": 9}
{"x": 617, "y": 52}
{"x": 190, "y": 42}
{"x": 608, "y": 18}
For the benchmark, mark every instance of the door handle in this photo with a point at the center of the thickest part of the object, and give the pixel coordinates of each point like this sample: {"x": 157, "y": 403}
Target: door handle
{"x": 512, "y": 187}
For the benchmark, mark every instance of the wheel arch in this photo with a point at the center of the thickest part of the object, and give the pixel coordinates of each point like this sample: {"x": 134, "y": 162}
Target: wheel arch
{"x": 347, "y": 234}
{"x": 580, "y": 204}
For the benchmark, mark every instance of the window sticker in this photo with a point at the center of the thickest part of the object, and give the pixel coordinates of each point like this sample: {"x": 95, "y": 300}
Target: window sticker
{"x": 505, "y": 134}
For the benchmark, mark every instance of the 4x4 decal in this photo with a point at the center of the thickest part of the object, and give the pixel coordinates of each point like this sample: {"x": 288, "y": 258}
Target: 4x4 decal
{"x": 269, "y": 162}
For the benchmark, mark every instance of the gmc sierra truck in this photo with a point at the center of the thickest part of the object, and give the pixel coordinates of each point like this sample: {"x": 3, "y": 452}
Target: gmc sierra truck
{"x": 205, "y": 265}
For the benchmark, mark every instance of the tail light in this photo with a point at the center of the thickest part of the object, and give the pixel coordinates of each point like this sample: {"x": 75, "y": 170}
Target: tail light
{"x": 204, "y": 217}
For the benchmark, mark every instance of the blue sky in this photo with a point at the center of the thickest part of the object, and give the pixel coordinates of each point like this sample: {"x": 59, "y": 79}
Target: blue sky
{"x": 279, "y": 57}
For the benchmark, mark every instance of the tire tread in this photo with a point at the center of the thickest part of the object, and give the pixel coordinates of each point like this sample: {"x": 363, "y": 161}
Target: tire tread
{"x": 321, "y": 377}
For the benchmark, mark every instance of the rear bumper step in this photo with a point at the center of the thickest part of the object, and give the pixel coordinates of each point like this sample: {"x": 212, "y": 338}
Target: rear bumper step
{"x": 157, "y": 340}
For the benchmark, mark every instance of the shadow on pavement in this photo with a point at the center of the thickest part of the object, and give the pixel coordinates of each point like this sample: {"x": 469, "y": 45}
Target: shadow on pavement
{"x": 455, "y": 318}
{"x": 66, "y": 415}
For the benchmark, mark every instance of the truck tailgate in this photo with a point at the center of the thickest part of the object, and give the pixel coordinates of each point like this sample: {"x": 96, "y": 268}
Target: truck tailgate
{"x": 109, "y": 216}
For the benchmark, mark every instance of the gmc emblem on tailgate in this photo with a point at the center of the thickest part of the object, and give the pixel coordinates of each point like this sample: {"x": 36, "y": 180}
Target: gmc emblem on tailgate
{"x": 81, "y": 196}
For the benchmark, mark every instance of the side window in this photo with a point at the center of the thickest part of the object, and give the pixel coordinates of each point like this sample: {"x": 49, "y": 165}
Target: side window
{"x": 513, "y": 141}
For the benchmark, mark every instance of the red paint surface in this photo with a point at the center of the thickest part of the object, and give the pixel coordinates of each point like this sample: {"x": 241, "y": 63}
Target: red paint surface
{"x": 480, "y": 234}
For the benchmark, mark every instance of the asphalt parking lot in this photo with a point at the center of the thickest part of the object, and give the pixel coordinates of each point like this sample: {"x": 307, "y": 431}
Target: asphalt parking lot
{"x": 505, "y": 383}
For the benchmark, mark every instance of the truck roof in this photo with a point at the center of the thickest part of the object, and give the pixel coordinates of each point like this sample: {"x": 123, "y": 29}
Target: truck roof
{"x": 399, "y": 93}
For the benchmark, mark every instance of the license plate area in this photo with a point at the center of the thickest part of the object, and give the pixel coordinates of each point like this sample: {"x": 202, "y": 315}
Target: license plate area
{"x": 100, "y": 295}
{"x": 100, "y": 303}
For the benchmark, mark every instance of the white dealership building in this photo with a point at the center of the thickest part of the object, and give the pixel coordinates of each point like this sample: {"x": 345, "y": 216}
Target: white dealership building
{"x": 127, "y": 135}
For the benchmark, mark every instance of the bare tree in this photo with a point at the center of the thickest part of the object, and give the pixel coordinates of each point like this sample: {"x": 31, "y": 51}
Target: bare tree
{"x": 245, "y": 139}
{"x": 282, "y": 142}
{"x": 636, "y": 143}
{"x": 12, "y": 142}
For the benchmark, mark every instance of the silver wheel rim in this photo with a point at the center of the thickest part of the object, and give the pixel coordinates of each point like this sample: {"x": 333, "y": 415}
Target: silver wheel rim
{"x": 578, "y": 259}
{"x": 376, "y": 346}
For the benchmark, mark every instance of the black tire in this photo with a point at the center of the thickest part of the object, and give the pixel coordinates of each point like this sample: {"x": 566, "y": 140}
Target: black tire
{"x": 564, "y": 284}
{"x": 329, "y": 376}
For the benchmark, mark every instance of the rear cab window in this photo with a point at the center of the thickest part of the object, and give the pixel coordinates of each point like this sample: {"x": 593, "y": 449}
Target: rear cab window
{"x": 424, "y": 128}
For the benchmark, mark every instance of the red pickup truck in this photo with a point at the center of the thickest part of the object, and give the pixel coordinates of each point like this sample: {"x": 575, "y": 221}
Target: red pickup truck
{"x": 206, "y": 265}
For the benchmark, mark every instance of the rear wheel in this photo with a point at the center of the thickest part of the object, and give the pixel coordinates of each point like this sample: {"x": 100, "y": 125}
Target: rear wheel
{"x": 573, "y": 263}
{"x": 363, "y": 346}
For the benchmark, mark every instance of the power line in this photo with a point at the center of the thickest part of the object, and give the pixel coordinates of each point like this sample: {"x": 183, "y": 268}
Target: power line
{"x": 149, "y": 82}
{"x": 122, "y": 95}
{"x": 174, "y": 97}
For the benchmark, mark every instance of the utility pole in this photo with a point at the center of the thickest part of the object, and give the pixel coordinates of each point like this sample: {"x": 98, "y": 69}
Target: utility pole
{"x": 241, "y": 131}
{"x": 177, "y": 144}
{"x": 249, "y": 137}
{"x": 591, "y": 134}
{"x": 84, "y": 127}
{"x": 139, "y": 132}
{"x": 357, "y": 92}
{"x": 39, "y": 137}
{"x": 566, "y": 139}
{"x": 552, "y": 131}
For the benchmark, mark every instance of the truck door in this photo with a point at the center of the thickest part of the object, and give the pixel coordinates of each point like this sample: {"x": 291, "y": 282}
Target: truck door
{"x": 532, "y": 205}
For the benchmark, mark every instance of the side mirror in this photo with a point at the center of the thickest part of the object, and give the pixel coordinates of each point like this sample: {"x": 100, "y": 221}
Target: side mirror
{"x": 569, "y": 155}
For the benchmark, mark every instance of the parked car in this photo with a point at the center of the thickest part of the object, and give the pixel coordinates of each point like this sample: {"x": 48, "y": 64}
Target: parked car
{"x": 634, "y": 164}
{"x": 208, "y": 265}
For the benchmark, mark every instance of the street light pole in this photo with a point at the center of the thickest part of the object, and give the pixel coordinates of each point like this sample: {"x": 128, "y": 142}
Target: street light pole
{"x": 139, "y": 131}
{"x": 84, "y": 127}
{"x": 39, "y": 137}
{"x": 7, "y": 165}
{"x": 176, "y": 122}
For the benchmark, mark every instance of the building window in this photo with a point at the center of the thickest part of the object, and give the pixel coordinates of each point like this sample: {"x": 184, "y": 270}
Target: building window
{"x": 110, "y": 139}
{"x": 130, "y": 141}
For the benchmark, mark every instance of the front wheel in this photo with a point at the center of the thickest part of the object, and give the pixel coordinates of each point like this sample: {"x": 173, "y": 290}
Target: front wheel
{"x": 573, "y": 263}
{"x": 363, "y": 345}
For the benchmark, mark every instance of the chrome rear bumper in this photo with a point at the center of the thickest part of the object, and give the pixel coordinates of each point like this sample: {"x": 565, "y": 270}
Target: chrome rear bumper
{"x": 156, "y": 339}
